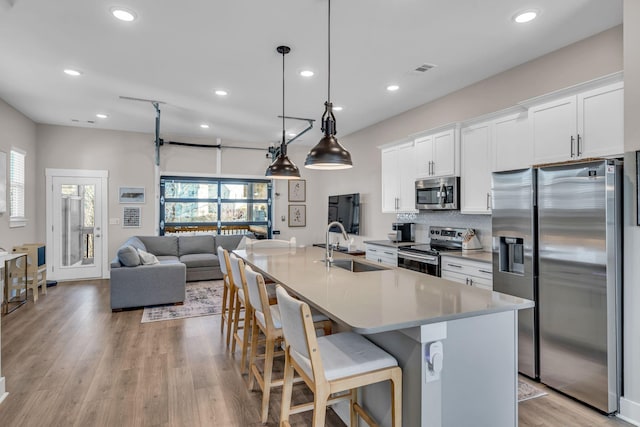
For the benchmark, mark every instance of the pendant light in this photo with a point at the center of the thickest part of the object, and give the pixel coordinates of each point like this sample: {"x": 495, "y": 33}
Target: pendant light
{"x": 328, "y": 153}
{"x": 282, "y": 167}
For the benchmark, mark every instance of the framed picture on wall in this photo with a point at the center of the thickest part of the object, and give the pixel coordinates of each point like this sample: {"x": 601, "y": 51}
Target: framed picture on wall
{"x": 131, "y": 217}
{"x": 131, "y": 194}
{"x": 297, "y": 190}
{"x": 297, "y": 215}
{"x": 637, "y": 187}
{"x": 3, "y": 182}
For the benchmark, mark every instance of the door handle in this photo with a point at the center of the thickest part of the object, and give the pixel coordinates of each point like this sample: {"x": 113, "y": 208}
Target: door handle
{"x": 485, "y": 271}
{"x": 578, "y": 152}
{"x": 453, "y": 265}
{"x": 488, "y": 201}
{"x": 466, "y": 280}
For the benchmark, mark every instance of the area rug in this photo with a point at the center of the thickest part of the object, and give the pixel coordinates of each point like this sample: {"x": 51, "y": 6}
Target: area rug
{"x": 202, "y": 299}
{"x": 526, "y": 391}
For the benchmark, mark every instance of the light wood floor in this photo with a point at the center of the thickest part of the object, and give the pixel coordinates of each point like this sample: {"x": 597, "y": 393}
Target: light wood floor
{"x": 68, "y": 361}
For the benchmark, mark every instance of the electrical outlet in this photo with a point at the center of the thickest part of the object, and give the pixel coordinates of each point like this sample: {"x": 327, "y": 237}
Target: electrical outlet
{"x": 276, "y": 231}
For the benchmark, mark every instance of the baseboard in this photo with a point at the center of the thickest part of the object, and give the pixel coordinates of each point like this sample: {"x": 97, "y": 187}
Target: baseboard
{"x": 3, "y": 392}
{"x": 629, "y": 411}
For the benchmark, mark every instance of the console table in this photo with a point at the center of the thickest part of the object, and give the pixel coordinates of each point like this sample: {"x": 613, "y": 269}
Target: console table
{"x": 9, "y": 265}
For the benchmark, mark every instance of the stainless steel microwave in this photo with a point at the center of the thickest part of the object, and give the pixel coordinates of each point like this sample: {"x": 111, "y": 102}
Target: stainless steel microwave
{"x": 438, "y": 193}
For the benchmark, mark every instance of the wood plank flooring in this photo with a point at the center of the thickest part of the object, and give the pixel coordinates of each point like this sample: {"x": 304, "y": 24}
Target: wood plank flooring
{"x": 69, "y": 361}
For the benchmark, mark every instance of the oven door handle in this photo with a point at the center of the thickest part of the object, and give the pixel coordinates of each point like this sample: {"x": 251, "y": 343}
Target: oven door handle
{"x": 429, "y": 260}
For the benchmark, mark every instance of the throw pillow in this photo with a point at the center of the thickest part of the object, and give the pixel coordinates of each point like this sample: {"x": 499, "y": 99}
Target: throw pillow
{"x": 146, "y": 258}
{"x": 128, "y": 256}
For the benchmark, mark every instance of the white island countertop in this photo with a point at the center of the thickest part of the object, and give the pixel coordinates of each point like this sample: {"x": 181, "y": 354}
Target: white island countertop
{"x": 375, "y": 301}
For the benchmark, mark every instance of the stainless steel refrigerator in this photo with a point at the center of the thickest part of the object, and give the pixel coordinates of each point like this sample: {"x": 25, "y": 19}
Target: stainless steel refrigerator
{"x": 569, "y": 260}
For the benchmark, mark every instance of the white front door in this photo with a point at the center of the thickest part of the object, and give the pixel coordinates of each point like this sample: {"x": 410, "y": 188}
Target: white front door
{"x": 75, "y": 225}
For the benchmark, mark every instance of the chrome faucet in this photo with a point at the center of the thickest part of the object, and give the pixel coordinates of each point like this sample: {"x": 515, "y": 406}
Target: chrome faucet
{"x": 328, "y": 256}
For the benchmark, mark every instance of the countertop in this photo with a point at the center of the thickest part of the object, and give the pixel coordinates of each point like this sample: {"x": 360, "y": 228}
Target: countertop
{"x": 375, "y": 301}
{"x": 474, "y": 255}
{"x": 389, "y": 243}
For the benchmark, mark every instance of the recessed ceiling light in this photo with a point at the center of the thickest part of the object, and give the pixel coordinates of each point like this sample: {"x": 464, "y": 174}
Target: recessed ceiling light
{"x": 102, "y": 116}
{"x": 204, "y": 126}
{"x": 123, "y": 14}
{"x": 526, "y": 16}
{"x": 337, "y": 108}
{"x": 221, "y": 92}
{"x": 393, "y": 88}
{"x": 72, "y": 72}
{"x": 306, "y": 73}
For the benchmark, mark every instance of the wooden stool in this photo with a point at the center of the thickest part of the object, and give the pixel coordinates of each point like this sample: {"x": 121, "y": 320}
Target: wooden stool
{"x": 334, "y": 365}
{"x": 240, "y": 331}
{"x": 266, "y": 319}
{"x": 226, "y": 316}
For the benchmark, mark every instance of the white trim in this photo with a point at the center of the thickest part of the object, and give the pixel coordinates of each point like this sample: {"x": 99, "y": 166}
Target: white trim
{"x": 77, "y": 173}
{"x": 629, "y": 411}
{"x": 17, "y": 222}
{"x": 215, "y": 176}
{"x": 437, "y": 129}
{"x": 3, "y": 390}
{"x": 103, "y": 175}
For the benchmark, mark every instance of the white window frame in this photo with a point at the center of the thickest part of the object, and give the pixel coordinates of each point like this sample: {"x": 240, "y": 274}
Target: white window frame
{"x": 17, "y": 220}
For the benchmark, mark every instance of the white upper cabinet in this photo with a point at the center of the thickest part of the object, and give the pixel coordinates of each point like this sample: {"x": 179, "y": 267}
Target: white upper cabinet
{"x": 601, "y": 122}
{"x": 436, "y": 154}
{"x": 476, "y": 165}
{"x": 511, "y": 146}
{"x": 398, "y": 178}
{"x": 579, "y": 126}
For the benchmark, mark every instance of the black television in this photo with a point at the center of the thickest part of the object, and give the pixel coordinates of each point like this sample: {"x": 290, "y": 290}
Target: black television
{"x": 345, "y": 208}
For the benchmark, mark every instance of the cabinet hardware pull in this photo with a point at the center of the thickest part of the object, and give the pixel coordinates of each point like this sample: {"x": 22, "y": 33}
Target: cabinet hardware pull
{"x": 579, "y": 153}
{"x": 453, "y": 265}
{"x": 485, "y": 271}
{"x": 466, "y": 280}
{"x": 488, "y": 201}
{"x": 389, "y": 253}
{"x": 572, "y": 139}
{"x": 471, "y": 282}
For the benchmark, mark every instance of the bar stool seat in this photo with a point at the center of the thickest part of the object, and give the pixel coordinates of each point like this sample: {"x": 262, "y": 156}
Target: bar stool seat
{"x": 346, "y": 354}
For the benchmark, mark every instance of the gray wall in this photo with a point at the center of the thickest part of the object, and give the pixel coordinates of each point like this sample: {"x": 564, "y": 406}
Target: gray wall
{"x": 18, "y": 131}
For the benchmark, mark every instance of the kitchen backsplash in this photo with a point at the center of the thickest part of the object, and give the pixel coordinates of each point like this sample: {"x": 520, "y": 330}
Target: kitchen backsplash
{"x": 424, "y": 219}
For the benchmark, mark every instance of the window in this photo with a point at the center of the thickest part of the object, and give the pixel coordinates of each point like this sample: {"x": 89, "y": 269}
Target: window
{"x": 215, "y": 205}
{"x": 17, "y": 188}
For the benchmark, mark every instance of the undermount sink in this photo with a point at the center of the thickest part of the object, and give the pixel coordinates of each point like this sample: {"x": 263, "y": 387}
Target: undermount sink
{"x": 356, "y": 266}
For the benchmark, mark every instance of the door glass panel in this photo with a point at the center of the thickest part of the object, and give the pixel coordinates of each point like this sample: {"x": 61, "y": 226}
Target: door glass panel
{"x": 78, "y": 223}
{"x": 190, "y": 190}
{"x": 234, "y": 191}
{"x": 190, "y": 212}
{"x": 233, "y": 212}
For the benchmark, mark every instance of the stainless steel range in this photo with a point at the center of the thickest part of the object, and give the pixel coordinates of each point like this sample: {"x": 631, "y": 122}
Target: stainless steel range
{"x": 425, "y": 258}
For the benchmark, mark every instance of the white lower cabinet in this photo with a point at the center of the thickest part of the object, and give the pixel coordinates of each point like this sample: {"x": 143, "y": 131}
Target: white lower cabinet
{"x": 469, "y": 272}
{"x": 383, "y": 254}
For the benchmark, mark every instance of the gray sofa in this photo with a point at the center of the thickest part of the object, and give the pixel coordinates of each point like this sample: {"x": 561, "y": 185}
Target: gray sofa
{"x": 181, "y": 259}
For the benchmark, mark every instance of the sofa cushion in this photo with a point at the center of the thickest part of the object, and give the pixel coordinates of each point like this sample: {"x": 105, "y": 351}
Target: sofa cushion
{"x": 146, "y": 258}
{"x": 228, "y": 241}
{"x": 128, "y": 256}
{"x": 200, "y": 260}
{"x": 136, "y": 243}
{"x": 168, "y": 259}
{"x": 196, "y": 245}
{"x": 161, "y": 245}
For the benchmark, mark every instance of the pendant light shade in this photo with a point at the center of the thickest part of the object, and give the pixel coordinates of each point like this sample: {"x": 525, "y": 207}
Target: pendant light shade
{"x": 328, "y": 153}
{"x": 282, "y": 167}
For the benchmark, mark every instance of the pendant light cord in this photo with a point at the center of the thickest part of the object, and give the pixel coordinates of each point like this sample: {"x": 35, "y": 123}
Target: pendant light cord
{"x": 283, "y": 139}
{"x": 329, "y": 54}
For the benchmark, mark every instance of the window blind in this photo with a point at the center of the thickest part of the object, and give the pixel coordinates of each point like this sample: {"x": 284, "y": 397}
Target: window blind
{"x": 17, "y": 184}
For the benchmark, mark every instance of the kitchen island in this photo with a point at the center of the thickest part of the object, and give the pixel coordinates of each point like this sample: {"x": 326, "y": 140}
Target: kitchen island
{"x": 456, "y": 344}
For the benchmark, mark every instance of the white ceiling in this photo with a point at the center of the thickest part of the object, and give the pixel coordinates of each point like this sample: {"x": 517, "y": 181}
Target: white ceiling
{"x": 178, "y": 52}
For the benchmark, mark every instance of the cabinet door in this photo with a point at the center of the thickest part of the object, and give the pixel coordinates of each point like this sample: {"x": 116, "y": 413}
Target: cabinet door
{"x": 456, "y": 277}
{"x": 601, "y": 122}
{"x": 511, "y": 146}
{"x": 553, "y": 130}
{"x": 475, "y": 176}
{"x": 390, "y": 179}
{"x": 444, "y": 153}
{"x": 424, "y": 156}
{"x": 407, "y": 178}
